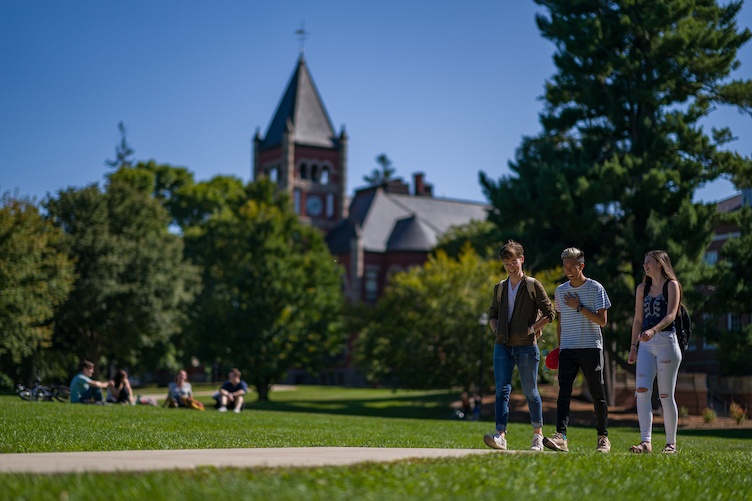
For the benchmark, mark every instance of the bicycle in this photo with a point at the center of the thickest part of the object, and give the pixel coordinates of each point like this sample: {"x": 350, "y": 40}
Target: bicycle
{"x": 41, "y": 393}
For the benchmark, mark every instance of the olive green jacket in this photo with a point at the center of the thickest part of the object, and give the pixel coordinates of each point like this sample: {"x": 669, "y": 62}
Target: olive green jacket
{"x": 525, "y": 313}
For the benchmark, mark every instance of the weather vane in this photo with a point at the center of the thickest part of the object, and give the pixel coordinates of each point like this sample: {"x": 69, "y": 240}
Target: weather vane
{"x": 302, "y": 35}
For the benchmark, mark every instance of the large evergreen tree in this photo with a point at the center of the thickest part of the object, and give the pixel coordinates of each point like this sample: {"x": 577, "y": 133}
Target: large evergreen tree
{"x": 623, "y": 147}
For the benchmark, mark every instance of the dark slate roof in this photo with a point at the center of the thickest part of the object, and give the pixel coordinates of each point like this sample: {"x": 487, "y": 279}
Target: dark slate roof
{"x": 730, "y": 204}
{"x": 303, "y": 107}
{"x": 411, "y": 234}
{"x": 399, "y": 222}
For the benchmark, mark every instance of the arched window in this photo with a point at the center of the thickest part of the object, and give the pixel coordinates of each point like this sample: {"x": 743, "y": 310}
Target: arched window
{"x": 272, "y": 173}
{"x": 324, "y": 175}
{"x": 303, "y": 170}
{"x": 315, "y": 173}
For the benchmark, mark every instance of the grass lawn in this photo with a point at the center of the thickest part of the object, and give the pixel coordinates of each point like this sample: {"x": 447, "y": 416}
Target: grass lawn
{"x": 712, "y": 464}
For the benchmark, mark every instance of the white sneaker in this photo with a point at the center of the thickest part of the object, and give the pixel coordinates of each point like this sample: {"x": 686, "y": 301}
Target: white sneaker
{"x": 495, "y": 441}
{"x": 537, "y": 442}
{"x": 223, "y": 409}
{"x": 236, "y": 410}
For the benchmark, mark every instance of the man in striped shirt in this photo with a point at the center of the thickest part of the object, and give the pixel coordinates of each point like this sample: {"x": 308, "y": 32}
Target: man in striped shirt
{"x": 582, "y": 305}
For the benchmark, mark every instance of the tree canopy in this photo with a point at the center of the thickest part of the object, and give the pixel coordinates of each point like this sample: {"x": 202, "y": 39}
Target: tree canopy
{"x": 384, "y": 173}
{"x": 132, "y": 284}
{"x": 272, "y": 296}
{"x": 425, "y": 332}
{"x": 623, "y": 148}
{"x": 731, "y": 281}
{"x": 35, "y": 277}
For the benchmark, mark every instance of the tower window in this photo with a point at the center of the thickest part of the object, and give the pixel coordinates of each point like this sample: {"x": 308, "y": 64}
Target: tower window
{"x": 272, "y": 173}
{"x": 303, "y": 171}
{"x": 315, "y": 174}
{"x": 329, "y": 205}
{"x": 296, "y": 201}
{"x": 324, "y": 175}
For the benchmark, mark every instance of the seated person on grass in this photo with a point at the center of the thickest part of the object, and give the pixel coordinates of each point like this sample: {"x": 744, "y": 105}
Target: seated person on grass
{"x": 232, "y": 393}
{"x": 121, "y": 391}
{"x": 179, "y": 391}
{"x": 84, "y": 389}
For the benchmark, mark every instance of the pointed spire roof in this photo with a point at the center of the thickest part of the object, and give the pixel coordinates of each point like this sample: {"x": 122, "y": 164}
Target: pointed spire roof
{"x": 302, "y": 108}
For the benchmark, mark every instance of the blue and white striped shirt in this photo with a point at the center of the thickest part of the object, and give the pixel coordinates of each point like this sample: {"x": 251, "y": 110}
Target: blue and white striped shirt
{"x": 576, "y": 330}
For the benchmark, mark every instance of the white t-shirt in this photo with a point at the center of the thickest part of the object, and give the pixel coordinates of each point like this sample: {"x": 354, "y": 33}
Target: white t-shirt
{"x": 511, "y": 297}
{"x": 577, "y": 331}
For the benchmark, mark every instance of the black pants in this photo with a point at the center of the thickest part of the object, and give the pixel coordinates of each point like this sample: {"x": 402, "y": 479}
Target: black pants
{"x": 590, "y": 360}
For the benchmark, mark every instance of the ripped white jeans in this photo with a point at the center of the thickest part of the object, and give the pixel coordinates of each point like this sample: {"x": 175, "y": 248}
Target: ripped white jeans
{"x": 660, "y": 356}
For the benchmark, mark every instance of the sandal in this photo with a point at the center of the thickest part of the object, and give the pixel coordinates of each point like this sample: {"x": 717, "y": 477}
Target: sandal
{"x": 642, "y": 448}
{"x": 669, "y": 449}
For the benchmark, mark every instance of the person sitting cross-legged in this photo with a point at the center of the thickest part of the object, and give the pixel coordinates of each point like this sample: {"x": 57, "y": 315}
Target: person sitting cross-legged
{"x": 84, "y": 389}
{"x": 232, "y": 393}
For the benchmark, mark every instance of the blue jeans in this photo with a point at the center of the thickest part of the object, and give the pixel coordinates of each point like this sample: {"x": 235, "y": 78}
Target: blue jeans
{"x": 92, "y": 394}
{"x": 527, "y": 359}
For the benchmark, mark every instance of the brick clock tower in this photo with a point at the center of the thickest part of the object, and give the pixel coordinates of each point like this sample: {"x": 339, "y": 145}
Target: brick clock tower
{"x": 302, "y": 154}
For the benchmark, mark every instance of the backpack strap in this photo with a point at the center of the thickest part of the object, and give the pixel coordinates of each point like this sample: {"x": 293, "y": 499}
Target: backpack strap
{"x": 530, "y": 287}
{"x": 677, "y": 319}
{"x": 502, "y": 283}
{"x": 529, "y": 282}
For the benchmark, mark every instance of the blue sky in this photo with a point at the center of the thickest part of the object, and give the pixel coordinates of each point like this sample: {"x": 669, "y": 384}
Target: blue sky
{"x": 442, "y": 87}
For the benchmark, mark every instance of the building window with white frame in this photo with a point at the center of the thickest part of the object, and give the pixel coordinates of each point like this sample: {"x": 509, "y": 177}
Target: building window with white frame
{"x": 372, "y": 285}
{"x": 733, "y": 322}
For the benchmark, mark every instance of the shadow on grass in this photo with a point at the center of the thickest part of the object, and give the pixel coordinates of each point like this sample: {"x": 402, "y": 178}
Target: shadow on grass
{"x": 435, "y": 406}
{"x": 730, "y": 433}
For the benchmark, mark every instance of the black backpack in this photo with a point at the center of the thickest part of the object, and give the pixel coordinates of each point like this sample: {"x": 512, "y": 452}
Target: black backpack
{"x": 682, "y": 322}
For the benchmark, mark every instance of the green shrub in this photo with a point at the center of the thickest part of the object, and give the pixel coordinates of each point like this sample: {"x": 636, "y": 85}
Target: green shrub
{"x": 738, "y": 413}
{"x": 709, "y": 415}
{"x": 683, "y": 412}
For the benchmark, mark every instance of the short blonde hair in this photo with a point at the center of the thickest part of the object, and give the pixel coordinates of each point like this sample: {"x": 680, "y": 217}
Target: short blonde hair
{"x": 574, "y": 253}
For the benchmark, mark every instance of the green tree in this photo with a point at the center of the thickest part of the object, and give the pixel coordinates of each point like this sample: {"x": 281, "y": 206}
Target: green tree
{"x": 623, "y": 148}
{"x": 424, "y": 332}
{"x": 35, "y": 277}
{"x": 132, "y": 284}
{"x": 189, "y": 203}
{"x": 481, "y": 235}
{"x": 383, "y": 174}
{"x": 123, "y": 151}
{"x": 732, "y": 293}
{"x": 272, "y": 295}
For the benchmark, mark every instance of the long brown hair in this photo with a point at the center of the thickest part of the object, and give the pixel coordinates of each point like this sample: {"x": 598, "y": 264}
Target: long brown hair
{"x": 120, "y": 377}
{"x": 667, "y": 270}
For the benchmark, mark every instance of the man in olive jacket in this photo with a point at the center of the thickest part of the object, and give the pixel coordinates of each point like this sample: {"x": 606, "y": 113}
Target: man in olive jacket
{"x": 519, "y": 309}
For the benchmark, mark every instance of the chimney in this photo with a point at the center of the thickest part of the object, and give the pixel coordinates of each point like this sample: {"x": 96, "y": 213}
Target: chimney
{"x": 422, "y": 189}
{"x": 418, "y": 184}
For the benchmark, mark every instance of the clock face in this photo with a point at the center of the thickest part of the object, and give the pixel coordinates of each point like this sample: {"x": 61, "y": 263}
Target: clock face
{"x": 314, "y": 205}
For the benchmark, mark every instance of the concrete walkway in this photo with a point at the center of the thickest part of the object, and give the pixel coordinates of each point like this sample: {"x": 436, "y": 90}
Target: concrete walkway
{"x": 110, "y": 461}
